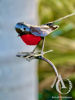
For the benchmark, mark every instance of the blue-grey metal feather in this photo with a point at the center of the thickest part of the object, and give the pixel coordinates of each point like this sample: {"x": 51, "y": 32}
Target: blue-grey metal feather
{"x": 42, "y": 30}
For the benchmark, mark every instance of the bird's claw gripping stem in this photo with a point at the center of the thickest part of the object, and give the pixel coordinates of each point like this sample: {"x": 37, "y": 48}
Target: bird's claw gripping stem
{"x": 31, "y": 55}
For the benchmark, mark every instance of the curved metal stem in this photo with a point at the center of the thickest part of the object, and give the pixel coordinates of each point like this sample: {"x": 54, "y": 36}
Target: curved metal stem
{"x": 29, "y": 56}
{"x": 50, "y": 63}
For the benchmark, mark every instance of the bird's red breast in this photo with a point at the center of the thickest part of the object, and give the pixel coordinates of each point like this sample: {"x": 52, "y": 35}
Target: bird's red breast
{"x": 31, "y": 39}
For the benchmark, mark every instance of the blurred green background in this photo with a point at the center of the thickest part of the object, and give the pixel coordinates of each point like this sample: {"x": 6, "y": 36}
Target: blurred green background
{"x": 62, "y": 41}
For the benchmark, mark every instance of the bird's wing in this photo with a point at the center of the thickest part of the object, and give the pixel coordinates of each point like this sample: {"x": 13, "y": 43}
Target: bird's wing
{"x": 42, "y": 30}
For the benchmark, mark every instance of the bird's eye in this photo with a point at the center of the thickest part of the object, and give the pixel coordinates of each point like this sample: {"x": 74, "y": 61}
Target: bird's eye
{"x": 24, "y": 28}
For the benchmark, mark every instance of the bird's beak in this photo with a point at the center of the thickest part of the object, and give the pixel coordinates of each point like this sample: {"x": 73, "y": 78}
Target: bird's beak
{"x": 18, "y": 28}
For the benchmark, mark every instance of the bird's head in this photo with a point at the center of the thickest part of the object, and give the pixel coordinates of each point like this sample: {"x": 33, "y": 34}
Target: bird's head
{"x": 22, "y": 28}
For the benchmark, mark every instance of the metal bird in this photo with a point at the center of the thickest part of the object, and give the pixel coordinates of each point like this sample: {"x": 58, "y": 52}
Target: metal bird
{"x": 32, "y": 35}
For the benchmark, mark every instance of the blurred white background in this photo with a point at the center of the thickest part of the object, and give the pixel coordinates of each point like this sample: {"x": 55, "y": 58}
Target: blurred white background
{"x": 18, "y": 78}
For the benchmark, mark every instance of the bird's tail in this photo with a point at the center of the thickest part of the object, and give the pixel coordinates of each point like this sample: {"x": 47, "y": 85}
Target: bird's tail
{"x": 52, "y": 25}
